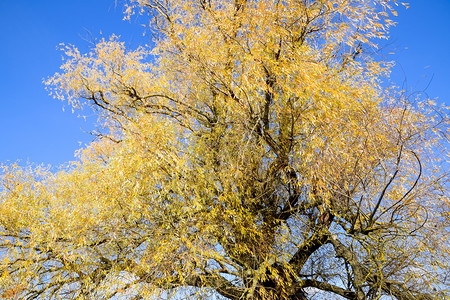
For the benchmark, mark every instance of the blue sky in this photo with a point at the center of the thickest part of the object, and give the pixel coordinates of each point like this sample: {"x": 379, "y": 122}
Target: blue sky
{"x": 33, "y": 126}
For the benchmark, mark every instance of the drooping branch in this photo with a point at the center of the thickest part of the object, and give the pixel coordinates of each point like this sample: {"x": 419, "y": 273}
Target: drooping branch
{"x": 362, "y": 275}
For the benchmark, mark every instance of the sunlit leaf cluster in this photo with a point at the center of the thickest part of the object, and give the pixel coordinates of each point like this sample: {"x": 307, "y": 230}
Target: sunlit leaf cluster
{"x": 252, "y": 152}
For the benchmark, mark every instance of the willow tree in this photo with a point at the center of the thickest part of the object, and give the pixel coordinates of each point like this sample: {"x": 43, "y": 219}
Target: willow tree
{"x": 250, "y": 153}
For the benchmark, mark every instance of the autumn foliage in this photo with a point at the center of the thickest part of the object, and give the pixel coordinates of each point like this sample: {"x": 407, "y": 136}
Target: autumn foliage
{"x": 249, "y": 153}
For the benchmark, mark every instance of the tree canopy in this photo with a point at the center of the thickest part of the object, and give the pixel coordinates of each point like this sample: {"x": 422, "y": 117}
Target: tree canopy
{"x": 251, "y": 152}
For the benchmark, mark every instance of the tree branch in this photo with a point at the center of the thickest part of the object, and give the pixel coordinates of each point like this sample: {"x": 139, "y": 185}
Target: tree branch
{"x": 324, "y": 286}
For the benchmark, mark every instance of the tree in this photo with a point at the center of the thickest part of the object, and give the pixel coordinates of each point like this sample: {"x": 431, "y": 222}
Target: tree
{"x": 252, "y": 153}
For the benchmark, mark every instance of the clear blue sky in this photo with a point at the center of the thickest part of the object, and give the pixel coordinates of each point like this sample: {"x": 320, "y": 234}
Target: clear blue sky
{"x": 33, "y": 126}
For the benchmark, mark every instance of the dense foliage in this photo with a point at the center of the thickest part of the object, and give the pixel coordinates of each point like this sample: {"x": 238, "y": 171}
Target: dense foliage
{"x": 250, "y": 153}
